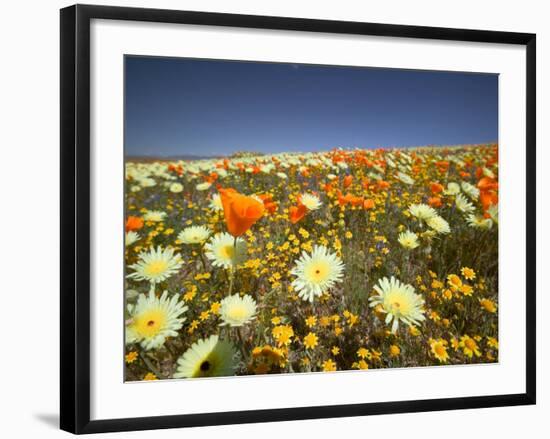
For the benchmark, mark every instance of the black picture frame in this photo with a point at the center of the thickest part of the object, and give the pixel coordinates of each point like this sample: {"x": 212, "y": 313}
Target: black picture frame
{"x": 75, "y": 217}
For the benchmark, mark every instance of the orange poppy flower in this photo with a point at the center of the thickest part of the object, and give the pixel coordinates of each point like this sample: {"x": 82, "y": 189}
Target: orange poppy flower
{"x": 212, "y": 177}
{"x": 436, "y": 188}
{"x": 240, "y": 211}
{"x": 368, "y": 204}
{"x": 488, "y": 198}
{"x": 133, "y": 223}
{"x": 487, "y": 183}
{"x": 382, "y": 185}
{"x": 434, "y": 201}
{"x": 269, "y": 204}
{"x": 347, "y": 181}
{"x": 177, "y": 169}
{"x": 297, "y": 213}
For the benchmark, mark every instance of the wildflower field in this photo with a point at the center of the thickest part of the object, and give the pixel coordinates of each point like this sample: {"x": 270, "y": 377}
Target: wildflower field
{"x": 314, "y": 262}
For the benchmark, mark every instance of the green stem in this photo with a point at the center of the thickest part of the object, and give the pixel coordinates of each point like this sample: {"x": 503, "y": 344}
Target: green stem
{"x": 201, "y": 253}
{"x": 231, "y": 277}
{"x": 241, "y": 343}
{"x": 233, "y": 268}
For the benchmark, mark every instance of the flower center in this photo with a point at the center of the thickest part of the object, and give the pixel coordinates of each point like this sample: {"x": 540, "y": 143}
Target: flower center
{"x": 237, "y": 313}
{"x": 470, "y": 344}
{"x": 156, "y": 267}
{"x": 318, "y": 272}
{"x": 150, "y": 323}
{"x": 227, "y": 251}
{"x": 205, "y": 366}
{"x": 439, "y": 350}
{"x": 398, "y": 304}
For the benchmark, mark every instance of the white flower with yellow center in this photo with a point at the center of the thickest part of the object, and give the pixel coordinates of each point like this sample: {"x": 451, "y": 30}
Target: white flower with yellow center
{"x": 236, "y": 310}
{"x": 470, "y": 190}
{"x": 130, "y": 238}
{"x": 203, "y": 186}
{"x": 176, "y": 188}
{"x": 209, "y": 357}
{"x": 154, "y": 216}
{"x": 478, "y": 222}
{"x": 282, "y": 175}
{"x": 399, "y": 302}
{"x": 316, "y": 273}
{"x": 224, "y": 251}
{"x": 422, "y": 211}
{"x": 438, "y": 224}
{"x": 194, "y": 235}
{"x": 493, "y": 212}
{"x": 408, "y": 240}
{"x": 152, "y": 319}
{"x": 312, "y": 202}
{"x": 156, "y": 265}
{"x": 488, "y": 173}
{"x": 216, "y": 202}
{"x": 147, "y": 182}
{"x": 452, "y": 189}
{"x": 407, "y": 179}
{"x": 463, "y": 204}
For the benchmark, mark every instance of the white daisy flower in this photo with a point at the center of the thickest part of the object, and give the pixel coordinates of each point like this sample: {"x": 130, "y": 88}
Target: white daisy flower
{"x": 154, "y": 216}
{"x": 422, "y": 211}
{"x": 452, "y": 189}
{"x": 408, "y": 240}
{"x": 236, "y": 310}
{"x": 488, "y": 173}
{"x": 130, "y": 238}
{"x": 152, "y": 319}
{"x": 216, "y": 202}
{"x": 493, "y": 212}
{"x": 470, "y": 190}
{"x": 207, "y": 358}
{"x": 312, "y": 202}
{"x": 399, "y": 302}
{"x": 203, "y": 186}
{"x": 147, "y": 182}
{"x": 194, "y": 235}
{"x": 463, "y": 204}
{"x": 176, "y": 188}
{"x": 156, "y": 265}
{"x": 224, "y": 251}
{"x": 478, "y": 222}
{"x": 316, "y": 273}
{"x": 438, "y": 224}
{"x": 405, "y": 178}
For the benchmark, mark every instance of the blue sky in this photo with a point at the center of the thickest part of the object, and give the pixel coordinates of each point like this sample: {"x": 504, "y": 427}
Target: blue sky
{"x": 179, "y": 106}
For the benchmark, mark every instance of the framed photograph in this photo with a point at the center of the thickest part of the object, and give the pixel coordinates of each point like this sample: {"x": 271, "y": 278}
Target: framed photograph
{"x": 268, "y": 218}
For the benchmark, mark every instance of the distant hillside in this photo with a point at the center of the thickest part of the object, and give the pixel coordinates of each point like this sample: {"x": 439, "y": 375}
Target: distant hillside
{"x": 185, "y": 158}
